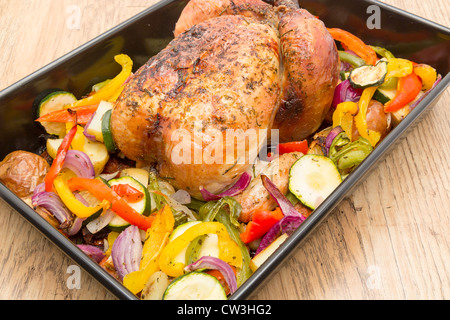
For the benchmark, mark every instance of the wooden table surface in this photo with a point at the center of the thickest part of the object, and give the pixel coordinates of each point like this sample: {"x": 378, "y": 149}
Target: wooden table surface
{"x": 389, "y": 239}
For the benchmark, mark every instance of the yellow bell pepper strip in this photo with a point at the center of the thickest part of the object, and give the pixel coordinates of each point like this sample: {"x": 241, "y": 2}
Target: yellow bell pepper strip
{"x": 344, "y": 115}
{"x": 118, "y": 204}
{"x": 79, "y": 140}
{"x": 407, "y": 90}
{"x": 392, "y": 82}
{"x": 360, "y": 119}
{"x": 157, "y": 238}
{"x": 228, "y": 249}
{"x": 58, "y": 162}
{"x": 398, "y": 68}
{"x": 112, "y": 236}
{"x": 72, "y": 203}
{"x": 427, "y": 74}
{"x": 110, "y": 89}
{"x": 116, "y": 95}
{"x": 354, "y": 44}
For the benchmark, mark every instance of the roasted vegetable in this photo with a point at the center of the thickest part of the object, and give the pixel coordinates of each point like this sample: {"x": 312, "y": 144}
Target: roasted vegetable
{"x": 369, "y": 76}
{"x": 22, "y": 172}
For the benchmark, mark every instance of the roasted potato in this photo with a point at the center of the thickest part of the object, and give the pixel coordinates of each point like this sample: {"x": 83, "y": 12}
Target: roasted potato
{"x": 377, "y": 120}
{"x": 22, "y": 171}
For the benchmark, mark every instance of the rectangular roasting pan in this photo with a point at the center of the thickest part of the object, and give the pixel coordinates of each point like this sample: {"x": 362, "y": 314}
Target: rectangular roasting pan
{"x": 406, "y": 35}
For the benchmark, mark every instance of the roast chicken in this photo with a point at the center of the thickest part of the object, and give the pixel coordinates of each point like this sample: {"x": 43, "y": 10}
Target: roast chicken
{"x": 237, "y": 71}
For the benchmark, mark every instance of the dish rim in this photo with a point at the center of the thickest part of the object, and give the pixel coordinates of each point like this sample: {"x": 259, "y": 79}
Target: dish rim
{"x": 291, "y": 244}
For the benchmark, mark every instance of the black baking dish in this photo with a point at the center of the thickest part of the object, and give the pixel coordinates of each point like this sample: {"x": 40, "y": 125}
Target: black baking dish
{"x": 144, "y": 35}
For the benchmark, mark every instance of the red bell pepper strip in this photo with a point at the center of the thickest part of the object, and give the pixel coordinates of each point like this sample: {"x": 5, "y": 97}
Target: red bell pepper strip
{"x": 298, "y": 146}
{"x": 118, "y": 204}
{"x": 354, "y": 44}
{"x": 128, "y": 192}
{"x": 407, "y": 90}
{"x": 219, "y": 276}
{"x": 84, "y": 114}
{"x": 262, "y": 221}
{"x": 58, "y": 162}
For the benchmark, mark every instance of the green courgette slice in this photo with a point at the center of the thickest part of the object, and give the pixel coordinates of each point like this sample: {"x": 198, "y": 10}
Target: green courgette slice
{"x": 50, "y": 101}
{"x": 369, "y": 76}
{"x": 195, "y": 286}
{"x": 313, "y": 178}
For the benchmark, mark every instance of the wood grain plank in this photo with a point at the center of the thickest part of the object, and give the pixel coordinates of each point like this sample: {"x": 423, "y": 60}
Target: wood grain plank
{"x": 387, "y": 240}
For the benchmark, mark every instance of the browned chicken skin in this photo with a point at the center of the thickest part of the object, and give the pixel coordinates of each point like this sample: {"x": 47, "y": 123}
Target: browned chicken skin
{"x": 311, "y": 66}
{"x": 309, "y": 57}
{"x": 232, "y": 66}
{"x": 220, "y": 75}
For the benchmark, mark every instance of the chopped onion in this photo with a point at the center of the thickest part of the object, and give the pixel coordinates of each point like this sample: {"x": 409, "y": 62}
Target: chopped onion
{"x": 287, "y": 225}
{"x": 109, "y": 176}
{"x": 52, "y": 202}
{"x": 95, "y": 253}
{"x": 80, "y": 163}
{"x": 126, "y": 251}
{"x": 182, "y": 197}
{"x": 415, "y": 104}
{"x": 86, "y": 134}
{"x": 76, "y": 227}
{"x": 213, "y": 263}
{"x": 236, "y": 189}
{"x": 292, "y": 218}
{"x": 331, "y": 136}
{"x": 345, "y": 92}
{"x": 39, "y": 189}
{"x": 285, "y": 205}
{"x": 101, "y": 222}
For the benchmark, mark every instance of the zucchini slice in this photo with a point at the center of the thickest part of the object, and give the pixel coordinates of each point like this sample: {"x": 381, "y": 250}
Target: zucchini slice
{"x": 369, "y": 76}
{"x": 50, "y": 101}
{"x": 384, "y": 95}
{"x": 209, "y": 247}
{"x": 143, "y": 206}
{"x": 195, "y": 286}
{"x": 313, "y": 178}
{"x": 106, "y": 132}
{"x": 141, "y": 175}
{"x": 95, "y": 126}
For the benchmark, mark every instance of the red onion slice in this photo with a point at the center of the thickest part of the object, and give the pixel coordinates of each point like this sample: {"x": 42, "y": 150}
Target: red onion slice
{"x": 86, "y": 134}
{"x": 213, "y": 263}
{"x": 345, "y": 92}
{"x": 126, "y": 251}
{"x": 51, "y": 202}
{"x": 285, "y": 205}
{"x": 95, "y": 253}
{"x": 109, "y": 176}
{"x": 236, "y": 189}
{"x": 331, "y": 136}
{"x": 286, "y": 225}
{"x": 39, "y": 189}
{"x": 292, "y": 218}
{"x": 76, "y": 227}
{"x": 95, "y": 226}
{"x": 80, "y": 163}
{"x": 425, "y": 94}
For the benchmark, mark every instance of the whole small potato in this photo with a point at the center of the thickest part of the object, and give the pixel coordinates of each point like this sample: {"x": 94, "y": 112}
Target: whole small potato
{"x": 22, "y": 171}
{"x": 377, "y": 120}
